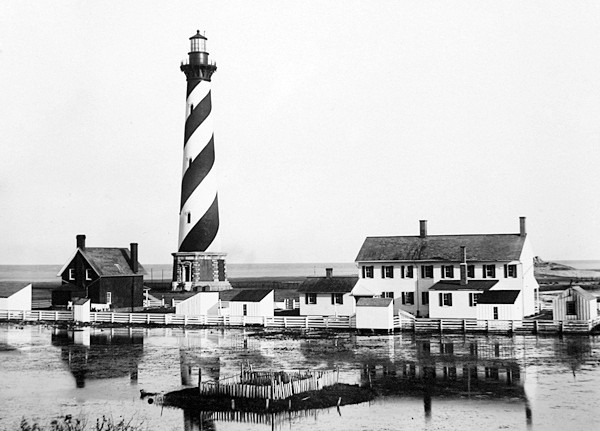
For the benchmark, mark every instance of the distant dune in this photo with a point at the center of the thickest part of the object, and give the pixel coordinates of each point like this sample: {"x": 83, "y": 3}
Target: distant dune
{"x": 552, "y": 271}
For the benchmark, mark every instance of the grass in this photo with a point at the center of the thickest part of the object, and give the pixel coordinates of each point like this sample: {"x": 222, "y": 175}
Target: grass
{"x": 69, "y": 423}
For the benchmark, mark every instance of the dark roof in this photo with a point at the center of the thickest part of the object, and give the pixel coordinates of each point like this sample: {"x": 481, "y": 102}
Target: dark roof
{"x": 328, "y": 285}
{"x": 9, "y": 288}
{"x": 110, "y": 262}
{"x": 251, "y": 295}
{"x": 499, "y": 297}
{"x": 374, "y": 302}
{"x": 80, "y": 301}
{"x": 484, "y": 247}
{"x": 471, "y": 285}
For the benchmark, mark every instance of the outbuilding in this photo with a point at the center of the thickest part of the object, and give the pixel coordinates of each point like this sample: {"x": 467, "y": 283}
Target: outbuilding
{"x": 575, "y": 303}
{"x": 375, "y": 313}
{"x": 81, "y": 310}
{"x": 15, "y": 295}
{"x": 200, "y": 304}
{"x": 252, "y": 302}
{"x": 500, "y": 305}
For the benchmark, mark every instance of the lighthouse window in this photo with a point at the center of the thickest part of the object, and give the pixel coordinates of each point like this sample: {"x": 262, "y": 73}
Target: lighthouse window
{"x": 190, "y": 162}
{"x": 189, "y": 217}
{"x": 191, "y": 108}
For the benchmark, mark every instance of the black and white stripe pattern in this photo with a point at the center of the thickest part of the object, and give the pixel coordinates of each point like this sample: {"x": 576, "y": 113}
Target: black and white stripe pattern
{"x": 199, "y": 214}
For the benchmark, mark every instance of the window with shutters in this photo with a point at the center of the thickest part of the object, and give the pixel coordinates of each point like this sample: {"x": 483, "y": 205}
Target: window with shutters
{"x": 387, "y": 271}
{"x": 510, "y": 271}
{"x": 445, "y": 299}
{"x": 387, "y": 295}
{"x": 410, "y": 271}
{"x": 310, "y": 298}
{"x": 426, "y": 271}
{"x": 473, "y": 297}
{"x": 470, "y": 271}
{"x": 244, "y": 309}
{"x": 447, "y": 271}
{"x": 489, "y": 271}
{"x": 367, "y": 272}
{"x": 425, "y": 298}
{"x": 337, "y": 298}
{"x": 408, "y": 298}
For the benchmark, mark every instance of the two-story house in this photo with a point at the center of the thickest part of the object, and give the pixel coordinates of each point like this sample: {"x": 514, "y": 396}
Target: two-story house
{"x": 110, "y": 277}
{"x": 447, "y": 276}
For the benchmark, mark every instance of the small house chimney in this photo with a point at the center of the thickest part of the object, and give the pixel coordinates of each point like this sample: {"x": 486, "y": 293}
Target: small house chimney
{"x": 522, "y": 227}
{"x": 81, "y": 241}
{"x": 328, "y": 272}
{"x": 464, "y": 280}
{"x": 134, "y": 257}
{"x": 423, "y": 228}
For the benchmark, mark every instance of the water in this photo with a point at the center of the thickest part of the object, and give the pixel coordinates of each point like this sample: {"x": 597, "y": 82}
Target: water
{"x": 473, "y": 382}
{"x": 47, "y": 273}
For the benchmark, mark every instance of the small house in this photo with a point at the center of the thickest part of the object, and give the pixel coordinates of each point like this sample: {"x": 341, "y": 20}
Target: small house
{"x": 375, "y": 313}
{"x": 575, "y": 303}
{"x": 15, "y": 295}
{"x": 252, "y": 302}
{"x": 112, "y": 278}
{"x": 500, "y": 305}
{"x": 200, "y": 304}
{"x": 327, "y": 296}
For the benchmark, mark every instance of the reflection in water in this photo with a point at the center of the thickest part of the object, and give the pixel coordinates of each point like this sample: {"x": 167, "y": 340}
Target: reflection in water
{"x": 100, "y": 354}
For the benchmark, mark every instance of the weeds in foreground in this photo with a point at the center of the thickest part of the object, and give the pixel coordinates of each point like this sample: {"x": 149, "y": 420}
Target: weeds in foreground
{"x": 68, "y": 423}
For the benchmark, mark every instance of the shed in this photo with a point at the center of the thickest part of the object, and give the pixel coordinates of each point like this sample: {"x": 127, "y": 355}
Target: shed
{"x": 575, "y": 303}
{"x": 252, "y": 302}
{"x": 81, "y": 310}
{"x": 200, "y": 304}
{"x": 15, "y": 295}
{"x": 500, "y": 305}
{"x": 375, "y": 313}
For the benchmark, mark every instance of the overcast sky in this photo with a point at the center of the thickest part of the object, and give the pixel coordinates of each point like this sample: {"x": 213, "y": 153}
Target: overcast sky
{"x": 334, "y": 120}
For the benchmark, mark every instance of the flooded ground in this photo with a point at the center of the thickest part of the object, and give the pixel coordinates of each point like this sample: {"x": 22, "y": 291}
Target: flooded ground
{"x": 424, "y": 382}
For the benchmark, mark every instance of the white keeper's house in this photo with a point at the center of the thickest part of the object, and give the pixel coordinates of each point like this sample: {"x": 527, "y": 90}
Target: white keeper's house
{"x": 483, "y": 276}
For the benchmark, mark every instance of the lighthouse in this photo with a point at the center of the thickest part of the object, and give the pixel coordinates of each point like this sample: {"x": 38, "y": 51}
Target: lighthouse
{"x": 199, "y": 264}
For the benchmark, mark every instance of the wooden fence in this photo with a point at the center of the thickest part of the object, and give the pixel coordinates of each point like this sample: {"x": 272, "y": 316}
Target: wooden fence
{"x": 315, "y": 322}
{"x": 270, "y": 385}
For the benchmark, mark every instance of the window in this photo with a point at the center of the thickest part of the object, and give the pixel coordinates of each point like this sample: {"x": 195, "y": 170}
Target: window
{"x": 88, "y": 274}
{"x": 337, "y": 298}
{"x": 495, "y": 313}
{"x": 387, "y": 294}
{"x": 426, "y": 271}
{"x": 425, "y": 298}
{"x": 189, "y": 216}
{"x": 244, "y": 309}
{"x": 571, "y": 309}
{"x": 387, "y": 271}
{"x": 510, "y": 271}
{"x": 190, "y": 160}
{"x": 473, "y": 297}
{"x": 489, "y": 271}
{"x": 408, "y": 298}
{"x": 470, "y": 271}
{"x": 71, "y": 274}
{"x": 310, "y": 298}
{"x": 445, "y": 299}
{"x": 367, "y": 271}
{"x": 447, "y": 271}
{"x": 109, "y": 297}
{"x": 410, "y": 271}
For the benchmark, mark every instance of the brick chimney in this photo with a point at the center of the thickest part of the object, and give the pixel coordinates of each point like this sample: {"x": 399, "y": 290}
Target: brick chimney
{"x": 134, "y": 257}
{"x": 522, "y": 227}
{"x": 81, "y": 241}
{"x": 464, "y": 280}
{"x": 328, "y": 272}
{"x": 423, "y": 228}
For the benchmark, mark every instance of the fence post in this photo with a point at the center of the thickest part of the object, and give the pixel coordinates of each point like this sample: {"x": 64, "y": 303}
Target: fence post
{"x": 39, "y": 314}
{"x": 55, "y": 315}
{"x": 130, "y": 318}
{"x": 464, "y": 326}
{"x": 535, "y": 326}
{"x": 185, "y": 320}
{"x": 284, "y": 322}
{"x": 305, "y": 322}
{"x": 112, "y": 317}
{"x": 441, "y": 326}
{"x": 265, "y": 321}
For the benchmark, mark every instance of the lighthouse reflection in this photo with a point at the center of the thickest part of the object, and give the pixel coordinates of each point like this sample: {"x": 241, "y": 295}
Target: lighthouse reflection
{"x": 104, "y": 354}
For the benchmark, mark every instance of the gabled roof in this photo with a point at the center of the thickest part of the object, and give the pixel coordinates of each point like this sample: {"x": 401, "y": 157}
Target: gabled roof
{"x": 250, "y": 295}
{"x": 483, "y": 247}
{"x": 499, "y": 297}
{"x": 107, "y": 261}
{"x": 452, "y": 285}
{"x": 328, "y": 285}
{"x": 9, "y": 288}
{"x": 584, "y": 294}
{"x": 374, "y": 302}
{"x": 360, "y": 289}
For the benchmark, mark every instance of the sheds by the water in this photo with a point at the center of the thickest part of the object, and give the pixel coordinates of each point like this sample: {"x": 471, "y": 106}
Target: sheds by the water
{"x": 375, "y": 313}
{"x": 200, "y": 304}
{"x": 575, "y": 303}
{"x": 81, "y": 310}
{"x": 252, "y": 302}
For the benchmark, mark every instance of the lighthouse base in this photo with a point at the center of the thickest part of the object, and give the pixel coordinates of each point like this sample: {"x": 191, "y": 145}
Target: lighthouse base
{"x": 199, "y": 271}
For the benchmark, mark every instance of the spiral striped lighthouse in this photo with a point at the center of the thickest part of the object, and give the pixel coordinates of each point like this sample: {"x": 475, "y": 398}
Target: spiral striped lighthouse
{"x": 199, "y": 261}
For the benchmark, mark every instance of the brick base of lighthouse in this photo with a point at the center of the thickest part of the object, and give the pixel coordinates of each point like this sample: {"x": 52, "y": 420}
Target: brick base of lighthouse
{"x": 199, "y": 271}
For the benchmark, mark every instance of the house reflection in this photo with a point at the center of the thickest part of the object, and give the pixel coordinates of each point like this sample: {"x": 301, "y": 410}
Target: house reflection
{"x": 100, "y": 354}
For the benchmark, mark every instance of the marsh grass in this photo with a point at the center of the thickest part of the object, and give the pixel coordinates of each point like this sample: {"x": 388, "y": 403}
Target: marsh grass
{"x": 69, "y": 423}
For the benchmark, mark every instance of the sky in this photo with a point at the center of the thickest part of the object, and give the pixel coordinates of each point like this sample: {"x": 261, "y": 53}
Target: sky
{"x": 333, "y": 121}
